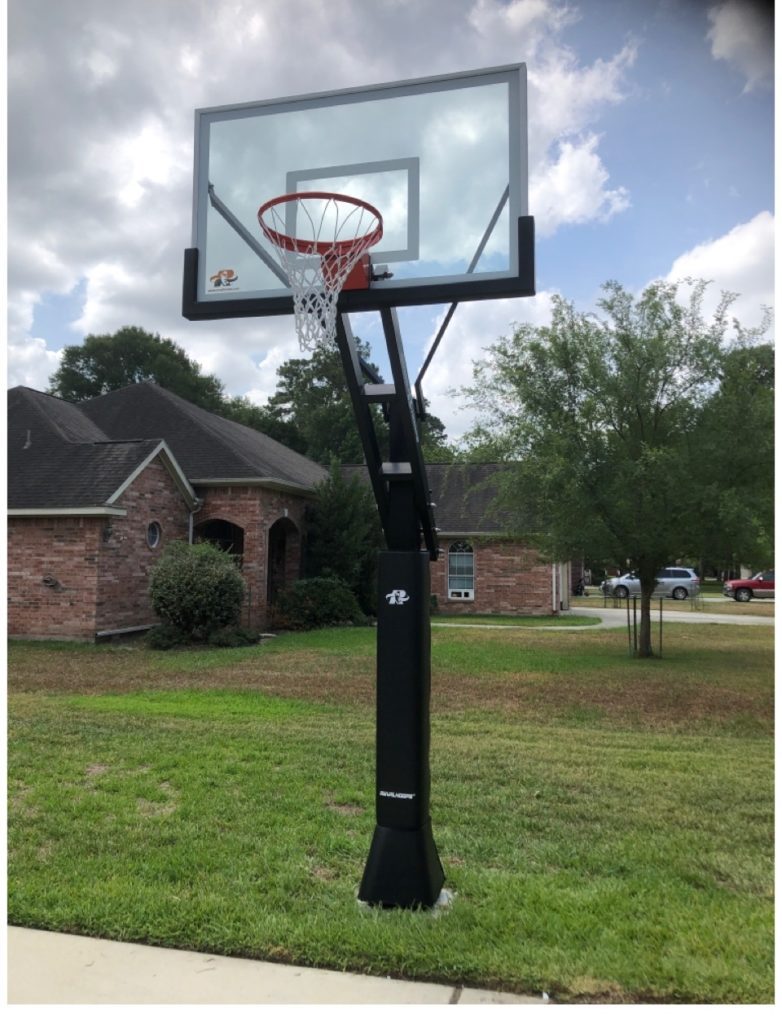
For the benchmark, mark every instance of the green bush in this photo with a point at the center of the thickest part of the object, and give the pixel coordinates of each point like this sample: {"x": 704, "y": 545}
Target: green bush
{"x": 316, "y": 602}
{"x": 164, "y": 637}
{"x": 196, "y": 589}
{"x": 233, "y": 636}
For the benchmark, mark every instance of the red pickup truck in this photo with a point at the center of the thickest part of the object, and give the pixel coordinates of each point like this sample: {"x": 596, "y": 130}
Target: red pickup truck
{"x": 759, "y": 585}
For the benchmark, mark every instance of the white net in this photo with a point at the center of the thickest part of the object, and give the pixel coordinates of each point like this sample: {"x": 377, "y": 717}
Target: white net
{"x": 319, "y": 239}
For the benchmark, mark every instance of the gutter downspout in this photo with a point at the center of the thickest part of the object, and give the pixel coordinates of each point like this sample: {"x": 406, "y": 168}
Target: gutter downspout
{"x": 196, "y": 508}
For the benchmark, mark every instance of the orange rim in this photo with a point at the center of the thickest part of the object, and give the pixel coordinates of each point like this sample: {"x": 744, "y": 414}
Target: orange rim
{"x": 299, "y": 245}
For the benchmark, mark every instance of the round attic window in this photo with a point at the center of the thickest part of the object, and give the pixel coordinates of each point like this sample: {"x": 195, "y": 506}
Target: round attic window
{"x": 153, "y": 534}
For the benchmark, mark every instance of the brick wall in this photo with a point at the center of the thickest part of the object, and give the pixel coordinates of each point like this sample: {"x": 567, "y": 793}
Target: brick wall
{"x": 509, "y": 579}
{"x": 63, "y": 552}
{"x": 125, "y": 558}
{"x": 256, "y": 509}
{"x": 100, "y": 582}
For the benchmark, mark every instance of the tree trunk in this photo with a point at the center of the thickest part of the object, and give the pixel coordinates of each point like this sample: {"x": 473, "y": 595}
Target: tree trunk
{"x": 645, "y": 631}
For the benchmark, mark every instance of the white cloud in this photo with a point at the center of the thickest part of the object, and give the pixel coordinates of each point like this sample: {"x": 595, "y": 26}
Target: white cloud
{"x": 568, "y": 95}
{"x": 742, "y": 33}
{"x": 740, "y": 261}
{"x": 491, "y": 17}
{"x": 31, "y": 364}
{"x": 246, "y": 358}
{"x": 574, "y": 189}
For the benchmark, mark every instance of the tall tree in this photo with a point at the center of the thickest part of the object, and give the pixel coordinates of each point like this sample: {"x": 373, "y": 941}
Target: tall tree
{"x": 311, "y": 411}
{"x": 106, "y": 362}
{"x": 311, "y": 396}
{"x": 604, "y": 417}
{"x": 734, "y": 468}
{"x": 343, "y": 534}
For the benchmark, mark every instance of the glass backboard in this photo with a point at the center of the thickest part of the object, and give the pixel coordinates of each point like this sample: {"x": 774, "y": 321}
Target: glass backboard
{"x": 444, "y": 159}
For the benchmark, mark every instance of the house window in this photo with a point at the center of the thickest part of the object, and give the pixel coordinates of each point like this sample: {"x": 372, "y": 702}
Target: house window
{"x": 461, "y": 571}
{"x": 153, "y": 534}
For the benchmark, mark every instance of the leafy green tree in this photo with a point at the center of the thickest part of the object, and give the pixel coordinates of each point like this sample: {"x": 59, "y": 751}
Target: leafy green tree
{"x": 260, "y": 417}
{"x": 604, "y": 417}
{"x": 343, "y": 535}
{"x": 434, "y": 440}
{"x": 312, "y": 402}
{"x": 734, "y": 468}
{"x": 311, "y": 412}
{"x": 106, "y": 362}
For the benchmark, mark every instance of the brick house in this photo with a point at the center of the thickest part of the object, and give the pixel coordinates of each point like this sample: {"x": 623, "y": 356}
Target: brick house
{"x": 96, "y": 490}
{"x": 86, "y": 519}
{"x": 482, "y": 568}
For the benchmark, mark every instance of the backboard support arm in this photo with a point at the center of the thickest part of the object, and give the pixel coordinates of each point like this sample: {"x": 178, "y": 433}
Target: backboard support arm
{"x": 452, "y": 308}
{"x": 233, "y": 221}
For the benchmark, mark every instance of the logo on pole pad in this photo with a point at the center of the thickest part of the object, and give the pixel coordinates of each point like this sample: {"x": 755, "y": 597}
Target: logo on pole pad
{"x": 398, "y": 597}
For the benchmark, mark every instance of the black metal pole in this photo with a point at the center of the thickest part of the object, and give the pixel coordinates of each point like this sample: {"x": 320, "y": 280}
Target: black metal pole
{"x": 403, "y": 868}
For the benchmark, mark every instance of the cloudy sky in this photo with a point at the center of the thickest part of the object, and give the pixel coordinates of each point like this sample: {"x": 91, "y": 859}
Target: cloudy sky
{"x": 650, "y": 132}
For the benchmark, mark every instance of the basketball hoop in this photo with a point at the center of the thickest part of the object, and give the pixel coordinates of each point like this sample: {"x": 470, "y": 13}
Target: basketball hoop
{"x": 320, "y": 238}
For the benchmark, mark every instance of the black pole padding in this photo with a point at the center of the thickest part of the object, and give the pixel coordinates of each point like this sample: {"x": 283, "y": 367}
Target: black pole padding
{"x": 403, "y": 868}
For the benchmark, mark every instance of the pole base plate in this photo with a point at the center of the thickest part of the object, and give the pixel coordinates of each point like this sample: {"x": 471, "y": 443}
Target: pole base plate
{"x": 403, "y": 869}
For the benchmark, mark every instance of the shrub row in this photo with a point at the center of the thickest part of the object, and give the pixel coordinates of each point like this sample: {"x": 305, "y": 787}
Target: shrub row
{"x": 197, "y": 591}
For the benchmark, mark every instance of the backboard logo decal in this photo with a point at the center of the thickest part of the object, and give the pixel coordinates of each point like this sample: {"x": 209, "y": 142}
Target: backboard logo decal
{"x": 223, "y": 279}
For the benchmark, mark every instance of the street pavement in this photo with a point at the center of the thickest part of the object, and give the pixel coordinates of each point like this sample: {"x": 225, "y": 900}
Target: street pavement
{"x": 613, "y": 617}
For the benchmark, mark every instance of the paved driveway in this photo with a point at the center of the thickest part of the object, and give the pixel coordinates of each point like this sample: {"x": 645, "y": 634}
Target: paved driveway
{"x": 614, "y": 618}
{"x": 610, "y": 618}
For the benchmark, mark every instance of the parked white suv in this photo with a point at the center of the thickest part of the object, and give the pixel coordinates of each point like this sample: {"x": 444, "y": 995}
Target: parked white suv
{"x": 673, "y": 581}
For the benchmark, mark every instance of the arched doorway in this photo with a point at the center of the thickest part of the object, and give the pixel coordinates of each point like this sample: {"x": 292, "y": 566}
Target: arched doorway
{"x": 284, "y": 561}
{"x": 225, "y": 535}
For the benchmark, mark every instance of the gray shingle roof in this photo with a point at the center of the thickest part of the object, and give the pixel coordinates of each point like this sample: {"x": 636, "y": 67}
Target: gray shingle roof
{"x": 58, "y": 458}
{"x": 464, "y": 494}
{"x": 207, "y": 446}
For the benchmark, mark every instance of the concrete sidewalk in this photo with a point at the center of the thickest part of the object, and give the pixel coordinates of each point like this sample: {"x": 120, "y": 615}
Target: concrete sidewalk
{"x": 611, "y": 618}
{"x": 614, "y": 618}
{"x": 52, "y": 968}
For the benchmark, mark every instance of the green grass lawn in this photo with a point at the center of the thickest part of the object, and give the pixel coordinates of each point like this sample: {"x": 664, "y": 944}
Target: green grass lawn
{"x": 522, "y": 621}
{"x": 605, "y": 824}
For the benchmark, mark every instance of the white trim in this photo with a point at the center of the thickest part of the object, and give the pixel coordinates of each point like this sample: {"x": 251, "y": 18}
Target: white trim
{"x": 468, "y": 592}
{"x": 90, "y": 510}
{"x": 173, "y": 467}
